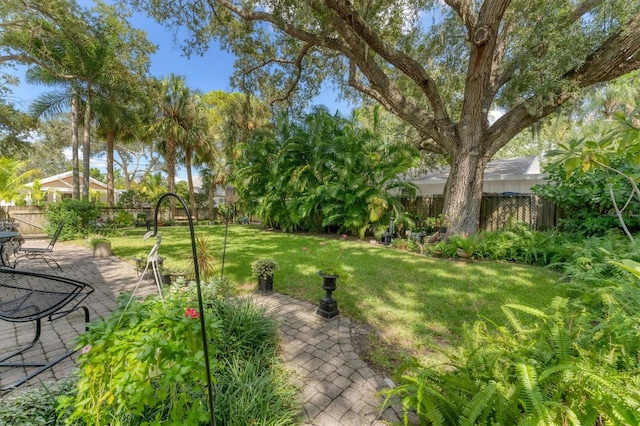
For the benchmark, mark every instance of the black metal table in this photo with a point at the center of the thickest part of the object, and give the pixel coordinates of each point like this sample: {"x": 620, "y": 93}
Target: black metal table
{"x": 29, "y": 296}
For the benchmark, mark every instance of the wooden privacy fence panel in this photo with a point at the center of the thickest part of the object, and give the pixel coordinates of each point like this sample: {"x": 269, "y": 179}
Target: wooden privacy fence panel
{"x": 31, "y": 219}
{"x": 496, "y": 211}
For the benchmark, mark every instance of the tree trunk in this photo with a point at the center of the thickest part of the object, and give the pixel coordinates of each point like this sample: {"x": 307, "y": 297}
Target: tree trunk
{"x": 110, "y": 185}
{"x": 171, "y": 172}
{"x": 74, "y": 148}
{"x": 86, "y": 149}
{"x": 212, "y": 190}
{"x": 192, "y": 193}
{"x": 464, "y": 195}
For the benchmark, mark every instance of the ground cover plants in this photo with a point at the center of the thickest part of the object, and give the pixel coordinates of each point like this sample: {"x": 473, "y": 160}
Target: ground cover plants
{"x": 572, "y": 362}
{"x": 144, "y": 365}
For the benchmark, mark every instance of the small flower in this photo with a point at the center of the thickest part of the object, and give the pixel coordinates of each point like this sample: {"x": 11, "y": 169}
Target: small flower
{"x": 191, "y": 313}
{"x": 85, "y": 350}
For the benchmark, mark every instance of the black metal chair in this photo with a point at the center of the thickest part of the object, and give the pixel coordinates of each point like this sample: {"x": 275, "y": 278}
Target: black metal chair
{"x": 43, "y": 253}
{"x": 30, "y": 296}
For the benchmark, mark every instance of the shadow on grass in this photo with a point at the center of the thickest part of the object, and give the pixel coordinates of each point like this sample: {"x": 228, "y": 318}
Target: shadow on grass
{"x": 409, "y": 298}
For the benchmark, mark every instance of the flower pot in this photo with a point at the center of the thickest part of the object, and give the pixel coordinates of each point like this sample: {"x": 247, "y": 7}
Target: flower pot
{"x": 265, "y": 285}
{"x": 102, "y": 249}
{"x": 328, "y": 307}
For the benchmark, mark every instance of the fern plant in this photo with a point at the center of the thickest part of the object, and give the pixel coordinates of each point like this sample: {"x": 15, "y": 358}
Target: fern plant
{"x": 536, "y": 370}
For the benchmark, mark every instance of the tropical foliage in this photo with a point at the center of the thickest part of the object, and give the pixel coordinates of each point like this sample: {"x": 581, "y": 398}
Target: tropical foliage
{"x": 323, "y": 173}
{"x": 594, "y": 178}
{"x": 13, "y": 176}
{"x": 145, "y": 365}
{"x": 563, "y": 365}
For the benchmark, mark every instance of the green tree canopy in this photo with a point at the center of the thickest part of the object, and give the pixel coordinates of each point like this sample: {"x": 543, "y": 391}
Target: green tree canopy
{"x": 442, "y": 67}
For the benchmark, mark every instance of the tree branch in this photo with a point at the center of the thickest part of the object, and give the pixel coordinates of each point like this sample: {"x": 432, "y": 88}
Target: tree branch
{"x": 298, "y": 67}
{"x": 618, "y": 55}
{"x": 484, "y": 41}
{"x": 464, "y": 10}
{"x": 350, "y": 18}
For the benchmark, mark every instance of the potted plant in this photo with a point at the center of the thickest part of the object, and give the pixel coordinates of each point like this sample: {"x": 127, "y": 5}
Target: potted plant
{"x": 263, "y": 269}
{"x": 328, "y": 258}
{"x": 100, "y": 245}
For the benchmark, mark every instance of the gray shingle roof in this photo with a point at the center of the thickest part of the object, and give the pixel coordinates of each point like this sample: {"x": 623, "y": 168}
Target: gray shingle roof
{"x": 511, "y": 167}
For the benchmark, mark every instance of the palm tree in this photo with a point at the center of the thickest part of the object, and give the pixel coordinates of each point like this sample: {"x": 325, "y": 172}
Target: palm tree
{"x": 196, "y": 145}
{"x": 12, "y": 179}
{"x": 174, "y": 123}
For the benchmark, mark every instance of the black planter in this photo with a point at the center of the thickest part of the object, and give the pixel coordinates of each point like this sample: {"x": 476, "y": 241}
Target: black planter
{"x": 328, "y": 307}
{"x": 265, "y": 285}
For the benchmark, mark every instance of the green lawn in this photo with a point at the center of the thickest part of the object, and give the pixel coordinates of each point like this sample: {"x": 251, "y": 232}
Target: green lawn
{"x": 406, "y": 299}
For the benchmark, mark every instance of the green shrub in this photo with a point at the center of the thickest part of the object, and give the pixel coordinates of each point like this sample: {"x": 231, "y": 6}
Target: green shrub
{"x": 517, "y": 243}
{"x": 134, "y": 199}
{"x": 36, "y": 406}
{"x": 124, "y": 219}
{"x": 145, "y": 365}
{"x": 77, "y": 214}
{"x": 541, "y": 371}
{"x": 575, "y": 362}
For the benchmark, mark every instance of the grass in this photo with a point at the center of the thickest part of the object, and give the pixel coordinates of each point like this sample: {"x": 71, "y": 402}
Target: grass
{"x": 407, "y": 300}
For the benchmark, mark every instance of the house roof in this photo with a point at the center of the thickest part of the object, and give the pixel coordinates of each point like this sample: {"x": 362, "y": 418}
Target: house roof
{"x": 523, "y": 167}
{"x": 63, "y": 182}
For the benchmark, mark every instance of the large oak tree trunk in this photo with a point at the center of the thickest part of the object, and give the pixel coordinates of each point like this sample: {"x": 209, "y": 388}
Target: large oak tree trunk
{"x": 463, "y": 193}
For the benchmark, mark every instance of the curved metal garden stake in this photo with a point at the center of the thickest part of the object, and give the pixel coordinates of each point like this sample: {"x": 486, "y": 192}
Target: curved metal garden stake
{"x": 194, "y": 251}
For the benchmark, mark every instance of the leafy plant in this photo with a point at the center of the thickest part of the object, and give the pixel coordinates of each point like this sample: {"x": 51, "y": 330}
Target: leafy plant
{"x": 123, "y": 219}
{"x": 263, "y": 268}
{"x": 327, "y": 256}
{"x": 323, "y": 173}
{"x": 77, "y": 214}
{"x": 207, "y": 261}
{"x": 534, "y": 372}
{"x": 37, "y": 406}
{"x": 94, "y": 240}
{"x": 212, "y": 289}
{"x": 144, "y": 365}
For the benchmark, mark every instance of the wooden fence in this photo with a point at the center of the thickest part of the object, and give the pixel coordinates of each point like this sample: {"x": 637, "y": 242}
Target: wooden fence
{"x": 30, "y": 220}
{"x": 496, "y": 211}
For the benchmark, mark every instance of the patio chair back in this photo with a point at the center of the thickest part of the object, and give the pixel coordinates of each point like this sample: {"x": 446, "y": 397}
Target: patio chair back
{"x": 42, "y": 253}
{"x": 56, "y": 235}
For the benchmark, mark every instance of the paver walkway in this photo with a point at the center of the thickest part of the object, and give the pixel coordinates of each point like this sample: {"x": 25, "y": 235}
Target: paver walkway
{"x": 337, "y": 387}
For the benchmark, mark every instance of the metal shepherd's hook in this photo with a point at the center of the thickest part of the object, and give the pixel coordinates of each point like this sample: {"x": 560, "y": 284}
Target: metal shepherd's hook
{"x": 205, "y": 346}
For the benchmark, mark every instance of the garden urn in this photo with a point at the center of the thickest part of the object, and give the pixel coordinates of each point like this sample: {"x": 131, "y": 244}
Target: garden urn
{"x": 265, "y": 284}
{"x": 328, "y": 306}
